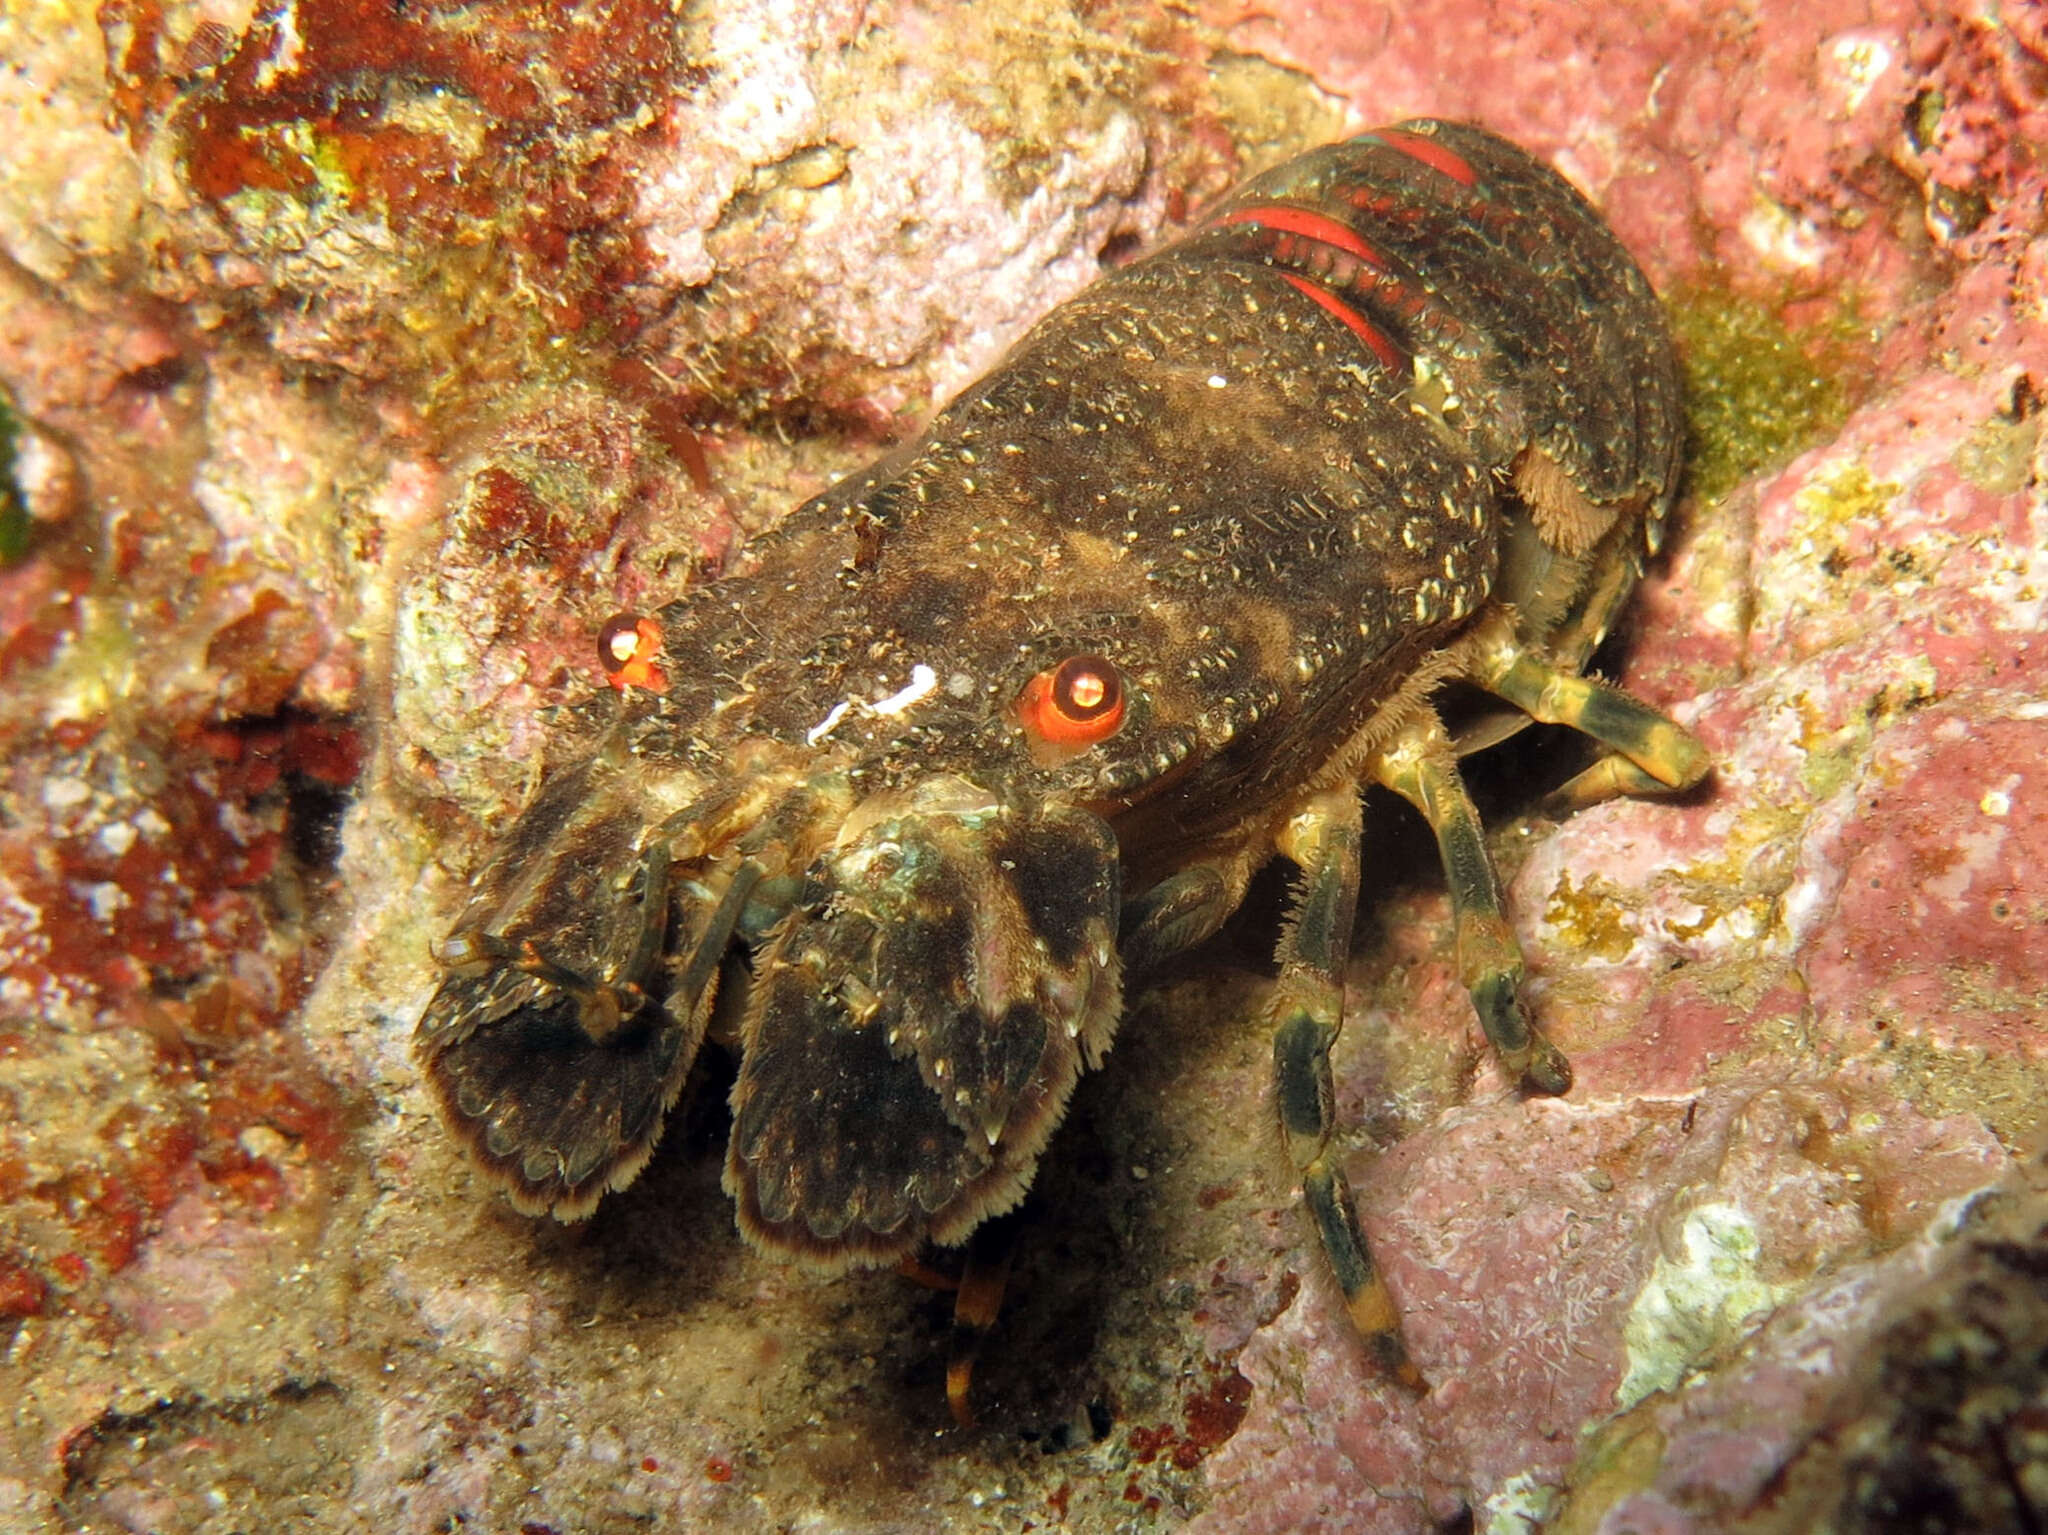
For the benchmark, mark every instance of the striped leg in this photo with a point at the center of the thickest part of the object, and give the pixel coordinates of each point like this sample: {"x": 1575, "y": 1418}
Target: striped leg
{"x": 1421, "y": 766}
{"x": 1177, "y": 913}
{"x": 1649, "y": 753}
{"x": 1173, "y": 916}
{"x": 976, "y": 1304}
{"x": 1322, "y": 840}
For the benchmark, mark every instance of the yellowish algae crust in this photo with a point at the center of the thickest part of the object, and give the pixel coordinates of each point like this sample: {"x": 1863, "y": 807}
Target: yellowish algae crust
{"x": 1842, "y": 495}
{"x": 1593, "y": 917}
{"x": 1999, "y": 454}
{"x": 1622, "y": 1456}
{"x": 2009, "y": 1094}
{"x": 1273, "y": 111}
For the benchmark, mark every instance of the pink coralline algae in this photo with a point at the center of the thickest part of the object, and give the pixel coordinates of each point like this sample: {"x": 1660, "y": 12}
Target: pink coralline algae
{"x": 359, "y": 361}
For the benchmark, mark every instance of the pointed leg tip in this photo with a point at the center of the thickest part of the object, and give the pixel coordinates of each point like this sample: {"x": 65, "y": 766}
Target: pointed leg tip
{"x": 1371, "y": 1308}
{"x": 1548, "y": 1076}
{"x": 959, "y": 1393}
{"x": 1595, "y": 786}
{"x": 1391, "y": 1356}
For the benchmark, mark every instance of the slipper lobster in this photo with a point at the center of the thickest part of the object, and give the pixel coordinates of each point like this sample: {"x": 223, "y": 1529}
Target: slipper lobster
{"x": 970, "y": 740}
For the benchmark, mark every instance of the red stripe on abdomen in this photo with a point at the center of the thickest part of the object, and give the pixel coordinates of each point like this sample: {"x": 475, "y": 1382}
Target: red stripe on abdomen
{"x": 1437, "y": 157}
{"x": 1319, "y": 227}
{"x": 1383, "y": 345}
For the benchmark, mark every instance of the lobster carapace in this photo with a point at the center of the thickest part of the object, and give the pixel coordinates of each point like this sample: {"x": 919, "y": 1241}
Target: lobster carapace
{"x": 975, "y": 736}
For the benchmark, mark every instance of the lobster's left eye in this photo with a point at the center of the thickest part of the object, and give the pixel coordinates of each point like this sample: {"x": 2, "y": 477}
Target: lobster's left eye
{"x": 1077, "y": 703}
{"x": 626, "y": 648}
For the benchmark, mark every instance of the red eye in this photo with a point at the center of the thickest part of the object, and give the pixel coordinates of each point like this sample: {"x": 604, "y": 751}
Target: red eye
{"x": 626, "y": 648}
{"x": 1077, "y": 703}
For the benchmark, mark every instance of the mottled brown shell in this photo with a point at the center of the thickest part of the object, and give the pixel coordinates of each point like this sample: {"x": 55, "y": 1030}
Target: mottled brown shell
{"x": 1271, "y": 475}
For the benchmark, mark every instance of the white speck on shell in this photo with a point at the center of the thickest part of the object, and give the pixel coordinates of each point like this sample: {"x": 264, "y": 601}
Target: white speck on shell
{"x": 828, "y": 724}
{"x": 922, "y": 680}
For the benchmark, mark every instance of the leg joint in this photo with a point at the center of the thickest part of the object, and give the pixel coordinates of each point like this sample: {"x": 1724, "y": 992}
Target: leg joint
{"x": 1301, "y": 1077}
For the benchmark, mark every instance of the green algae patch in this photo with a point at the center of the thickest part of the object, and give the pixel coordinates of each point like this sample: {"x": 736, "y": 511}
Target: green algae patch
{"x": 1523, "y": 1506}
{"x": 1697, "y": 1304}
{"x": 1757, "y": 391}
{"x": 14, "y": 518}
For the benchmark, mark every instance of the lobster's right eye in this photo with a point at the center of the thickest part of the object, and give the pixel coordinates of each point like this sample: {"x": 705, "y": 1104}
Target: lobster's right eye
{"x": 626, "y": 648}
{"x": 1077, "y": 703}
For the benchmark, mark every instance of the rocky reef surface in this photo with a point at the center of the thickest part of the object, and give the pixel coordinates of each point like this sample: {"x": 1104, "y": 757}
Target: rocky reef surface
{"x": 356, "y": 360}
